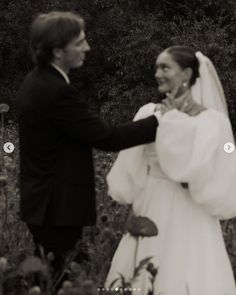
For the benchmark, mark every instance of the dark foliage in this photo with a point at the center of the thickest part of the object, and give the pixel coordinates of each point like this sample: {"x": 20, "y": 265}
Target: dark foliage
{"x": 125, "y": 36}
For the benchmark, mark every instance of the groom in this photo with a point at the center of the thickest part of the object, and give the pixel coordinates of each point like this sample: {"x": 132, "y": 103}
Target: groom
{"x": 57, "y": 133}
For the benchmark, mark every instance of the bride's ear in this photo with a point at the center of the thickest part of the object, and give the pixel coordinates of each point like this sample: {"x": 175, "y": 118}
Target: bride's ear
{"x": 187, "y": 74}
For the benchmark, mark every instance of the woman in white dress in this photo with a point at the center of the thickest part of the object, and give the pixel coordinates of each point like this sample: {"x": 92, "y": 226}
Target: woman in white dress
{"x": 184, "y": 183}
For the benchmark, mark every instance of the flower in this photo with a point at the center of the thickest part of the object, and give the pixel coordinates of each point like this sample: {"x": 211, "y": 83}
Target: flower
{"x": 107, "y": 233}
{"x": 118, "y": 214}
{"x": 35, "y": 291}
{"x": 141, "y": 226}
{"x": 89, "y": 287}
{"x": 3, "y": 180}
{"x": 7, "y": 159}
{"x": 152, "y": 269}
{"x": 71, "y": 291}
{"x": 75, "y": 267}
{"x": 3, "y": 264}
{"x": 4, "y": 108}
{"x": 61, "y": 292}
{"x": 67, "y": 285}
{"x": 118, "y": 234}
{"x": 32, "y": 264}
{"x": 113, "y": 203}
{"x": 50, "y": 256}
{"x": 9, "y": 166}
{"x": 104, "y": 218}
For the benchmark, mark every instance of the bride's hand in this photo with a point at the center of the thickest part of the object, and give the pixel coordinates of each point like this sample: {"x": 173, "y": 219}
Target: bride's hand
{"x": 172, "y": 102}
{"x": 163, "y": 107}
{"x": 171, "y": 96}
{"x": 186, "y": 104}
{"x": 182, "y": 102}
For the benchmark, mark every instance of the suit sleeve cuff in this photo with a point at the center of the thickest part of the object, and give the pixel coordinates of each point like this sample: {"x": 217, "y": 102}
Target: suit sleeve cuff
{"x": 158, "y": 115}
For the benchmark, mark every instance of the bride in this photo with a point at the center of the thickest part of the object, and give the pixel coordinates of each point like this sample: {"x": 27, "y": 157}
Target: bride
{"x": 183, "y": 183}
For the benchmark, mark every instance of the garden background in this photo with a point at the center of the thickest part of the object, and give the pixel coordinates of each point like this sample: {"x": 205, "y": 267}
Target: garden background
{"x": 117, "y": 78}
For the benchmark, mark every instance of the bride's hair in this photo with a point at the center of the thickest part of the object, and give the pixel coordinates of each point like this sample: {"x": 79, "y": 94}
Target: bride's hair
{"x": 186, "y": 58}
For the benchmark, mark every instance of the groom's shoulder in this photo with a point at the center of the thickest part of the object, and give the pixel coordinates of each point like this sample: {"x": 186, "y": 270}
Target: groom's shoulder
{"x": 47, "y": 81}
{"x": 44, "y": 86}
{"x": 42, "y": 89}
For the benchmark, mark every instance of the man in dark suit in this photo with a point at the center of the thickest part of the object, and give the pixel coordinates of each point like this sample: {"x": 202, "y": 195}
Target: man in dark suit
{"x": 57, "y": 133}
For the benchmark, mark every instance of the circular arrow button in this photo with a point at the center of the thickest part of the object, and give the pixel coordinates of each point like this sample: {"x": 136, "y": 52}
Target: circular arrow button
{"x": 8, "y": 147}
{"x": 229, "y": 147}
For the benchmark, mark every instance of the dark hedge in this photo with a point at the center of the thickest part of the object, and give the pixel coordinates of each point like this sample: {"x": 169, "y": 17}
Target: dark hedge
{"x": 126, "y": 37}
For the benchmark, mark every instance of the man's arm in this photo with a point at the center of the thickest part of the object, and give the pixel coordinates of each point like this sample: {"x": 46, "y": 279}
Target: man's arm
{"x": 72, "y": 115}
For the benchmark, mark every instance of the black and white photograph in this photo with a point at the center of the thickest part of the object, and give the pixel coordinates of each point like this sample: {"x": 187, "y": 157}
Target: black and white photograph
{"x": 117, "y": 157}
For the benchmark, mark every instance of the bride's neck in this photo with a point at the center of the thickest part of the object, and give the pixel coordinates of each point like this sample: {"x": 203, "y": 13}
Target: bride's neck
{"x": 183, "y": 98}
{"x": 181, "y": 91}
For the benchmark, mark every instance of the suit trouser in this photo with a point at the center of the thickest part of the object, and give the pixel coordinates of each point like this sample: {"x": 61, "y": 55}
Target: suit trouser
{"x": 59, "y": 240}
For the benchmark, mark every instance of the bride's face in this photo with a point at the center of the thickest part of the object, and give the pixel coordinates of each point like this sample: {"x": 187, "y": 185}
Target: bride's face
{"x": 168, "y": 73}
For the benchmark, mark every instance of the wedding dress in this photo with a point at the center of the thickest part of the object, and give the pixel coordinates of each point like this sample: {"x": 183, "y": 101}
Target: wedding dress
{"x": 189, "y": 250}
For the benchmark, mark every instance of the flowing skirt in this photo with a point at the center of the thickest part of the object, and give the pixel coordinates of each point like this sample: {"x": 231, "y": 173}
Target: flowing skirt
{"x": 189, "y": 250}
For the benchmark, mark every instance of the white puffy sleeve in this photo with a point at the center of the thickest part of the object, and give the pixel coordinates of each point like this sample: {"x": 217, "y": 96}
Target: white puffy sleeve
{"x": 191, "y": 149}
{"x": 128, "y": 174}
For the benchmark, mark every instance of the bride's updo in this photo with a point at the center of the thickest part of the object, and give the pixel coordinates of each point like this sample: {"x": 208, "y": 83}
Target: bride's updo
{"x": 186, "y": 58}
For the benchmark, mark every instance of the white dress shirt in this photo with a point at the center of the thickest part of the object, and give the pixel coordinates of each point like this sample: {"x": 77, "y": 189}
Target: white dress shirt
{"x": 61, "y": 72}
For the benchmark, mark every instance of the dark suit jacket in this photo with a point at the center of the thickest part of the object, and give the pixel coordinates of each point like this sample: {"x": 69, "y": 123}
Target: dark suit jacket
{"x": 57, "y": 133}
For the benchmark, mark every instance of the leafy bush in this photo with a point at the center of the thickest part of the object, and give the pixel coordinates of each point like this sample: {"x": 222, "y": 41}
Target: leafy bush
{"x": 126, "y": 37}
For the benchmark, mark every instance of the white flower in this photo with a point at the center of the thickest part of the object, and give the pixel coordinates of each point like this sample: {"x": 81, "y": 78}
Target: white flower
{"x": 3, "y": 264}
